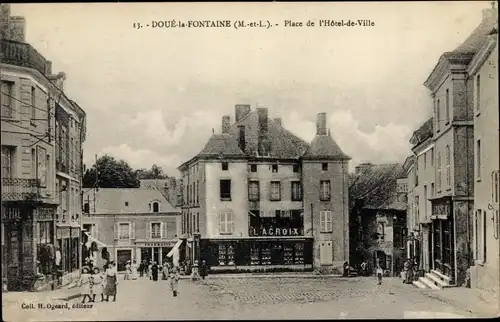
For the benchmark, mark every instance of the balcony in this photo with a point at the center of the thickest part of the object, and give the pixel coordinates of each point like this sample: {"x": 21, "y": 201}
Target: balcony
{"x": 17, "y": 189}
{"x": 22, "y": 54}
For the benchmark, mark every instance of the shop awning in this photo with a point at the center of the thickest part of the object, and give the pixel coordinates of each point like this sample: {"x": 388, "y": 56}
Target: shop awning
{"x": 176, "y": 247}
{"x": 92, "y": 239}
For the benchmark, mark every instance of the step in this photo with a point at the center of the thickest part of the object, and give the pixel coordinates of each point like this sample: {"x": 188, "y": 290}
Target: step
{"x": 442, "y": 276}
{"x": 429, "y": 283}
{"x": 419, "y": 284}
{"x": 437, "y": 280}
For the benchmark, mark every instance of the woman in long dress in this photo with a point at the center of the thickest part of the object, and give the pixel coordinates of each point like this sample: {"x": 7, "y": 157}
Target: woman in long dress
{"x": 154, "y": 271}
{"x": 127, "y": 271}
{"x": 150, "y": 272}
{"x": 133, "y": 270}
{"x": 111, "y": 282}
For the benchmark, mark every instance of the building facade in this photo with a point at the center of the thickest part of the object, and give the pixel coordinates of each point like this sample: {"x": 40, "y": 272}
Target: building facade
{"x": 130, "y": 224}
{"x": 30, "y": 95}
{"x": 452, "y": 214}
{"x": 483, "y": 71}
{"x": 260, "y": 198}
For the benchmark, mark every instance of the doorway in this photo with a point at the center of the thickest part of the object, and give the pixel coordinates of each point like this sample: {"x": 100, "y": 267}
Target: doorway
{"x": 122, "y": 256}
{"x": 14, "y": 254}
{"x": 326, "y": 253}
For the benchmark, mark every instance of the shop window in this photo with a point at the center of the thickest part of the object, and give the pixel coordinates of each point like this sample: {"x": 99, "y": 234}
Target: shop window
{"x": 253, "y": 191}
{"x": 325, "y": 190}
{"x": 226, "y": 224}
{"x": 296, "y": 191}
{"x": 275, "y": 191}
{"x": 325, "y": 221}
{"x": 225, "y": 190}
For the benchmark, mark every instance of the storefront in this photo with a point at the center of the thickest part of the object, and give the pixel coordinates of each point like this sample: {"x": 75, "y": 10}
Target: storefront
{"x": 68, "y": 243}
{"x": 154, "y": 251}
{"x": 443, "y": 252}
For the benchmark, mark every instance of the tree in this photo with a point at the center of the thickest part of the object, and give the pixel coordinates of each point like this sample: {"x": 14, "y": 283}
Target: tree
{"x": 110, "y": 174}
{"x": 156, "y": 172}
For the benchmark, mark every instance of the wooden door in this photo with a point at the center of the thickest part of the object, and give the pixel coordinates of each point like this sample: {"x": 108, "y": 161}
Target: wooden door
{"x": 326, "y": 253}
{"x": 122, "y": 256}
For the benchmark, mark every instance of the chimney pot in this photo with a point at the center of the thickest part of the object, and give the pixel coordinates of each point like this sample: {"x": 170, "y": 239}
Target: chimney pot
{"x": 226, "y": 123}
{"x": 321, "y": 124}
{"x": 277, "y": 120}
{"x": 241, "y": 110}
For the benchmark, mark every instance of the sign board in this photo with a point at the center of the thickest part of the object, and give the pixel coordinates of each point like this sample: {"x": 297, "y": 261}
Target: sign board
{"x": 441, "y": 209}
{"x": 157, "y": 244}
{"x": 273, "y": 231}
{"x": 11, "y": 213}
{"x": 42, "y": 214}
{"x": 62, "y": 233}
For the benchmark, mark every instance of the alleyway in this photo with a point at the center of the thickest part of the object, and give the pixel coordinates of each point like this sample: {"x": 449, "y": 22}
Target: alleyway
{"x": 255, "y": 298}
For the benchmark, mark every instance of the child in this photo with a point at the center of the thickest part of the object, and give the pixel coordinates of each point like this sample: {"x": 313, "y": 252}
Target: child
{"x": 98, "y": 285}
{"x": 174, "y": 281}
{"x": 86, "y": 283}
{"x": 380, "y": 272}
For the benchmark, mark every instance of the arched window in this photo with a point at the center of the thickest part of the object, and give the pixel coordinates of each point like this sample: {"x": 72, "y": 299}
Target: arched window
{"x": 156, "y": 206}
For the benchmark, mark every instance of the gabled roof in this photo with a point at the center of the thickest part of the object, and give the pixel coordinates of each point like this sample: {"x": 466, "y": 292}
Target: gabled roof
{"x": 127, "y": 201}
{"x": 325, "y": 148}
{"x": 221, "y": 145}
{"x": 424, "y": 132}
{"x": 376, "y": 187}
{"x": 479, "y": 36}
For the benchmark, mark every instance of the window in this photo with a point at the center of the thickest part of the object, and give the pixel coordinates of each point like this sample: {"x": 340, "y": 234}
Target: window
{"x": 124, "y": 231}
{"x": 253, "y": 191}
{"x": 91, "y": 229}
{"x": 433, "y": 192}
{"x": 324, "y": 166}
{"x": 438, "y": 115}
{"x": 86, "y": 206}
{"x": 325, "y": 221}
{"x": 225, "y": 189}
{"x": 33, "y": 164}
{"x": 7, "y": 101}
{"x": 275, "y": 191}
{"x": 478, "y": 92}
{"x": 447, "y": 105}
{"x": 381, "y": 230}
{"x": 296, "y": 191}
{"x": 155, "y": 230}
{"x": 226, "y": 224}
{"x": 432, "y": 156}
{"x": 324, "y": 190}
{"x": 274, "y": 168}
{"x": 480, "y": 234}
{"x": 8, "y": 153}
{"x": 197, "y": 192}
{"x": 296, "y": 168}
{"x": 197, "y": 222}
{"x": 438, "y": 176}
{"x": 417, "y": 210}
{"x": 33, "y": 102}
{"x": 253, "y": 168}
{"x": 448, "y": 162}
{"x": 416, "y": 171}
{"x": 425, "y": 160}
{"x": 156, "y": 206}
{"x": 225, "y": 166}
{"x": 478, "y": 158}
{"x": 426, "y": 202}
{"x": 495, "y": 187}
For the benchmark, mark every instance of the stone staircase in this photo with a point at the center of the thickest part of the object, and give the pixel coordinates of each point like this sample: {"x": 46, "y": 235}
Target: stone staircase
{"x": 433, "y": 280}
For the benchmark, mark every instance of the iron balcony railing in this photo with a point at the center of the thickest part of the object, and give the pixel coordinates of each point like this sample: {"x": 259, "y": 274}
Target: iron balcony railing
{"x": 18, "y": 189}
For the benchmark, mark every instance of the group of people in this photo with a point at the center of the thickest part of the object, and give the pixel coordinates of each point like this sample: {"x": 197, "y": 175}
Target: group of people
{"x": 94, "y": 283}
{"x": 410, "y": 271}
{"x": 131, "y": 271}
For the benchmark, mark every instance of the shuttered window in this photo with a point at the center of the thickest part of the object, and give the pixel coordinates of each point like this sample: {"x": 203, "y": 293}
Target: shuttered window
{"x": 226, "y": 223}
{"x": 325, "y": 221}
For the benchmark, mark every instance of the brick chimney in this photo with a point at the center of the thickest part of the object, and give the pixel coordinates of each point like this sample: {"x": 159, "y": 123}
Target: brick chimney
{"x": 263, "y": 130}
{"x": 277, "y": 120}
{"x": 226, "y": 123}
{"x": 241, "y": 110}
{"x": 48, "y": 67}
{"x": 321, "y": 124}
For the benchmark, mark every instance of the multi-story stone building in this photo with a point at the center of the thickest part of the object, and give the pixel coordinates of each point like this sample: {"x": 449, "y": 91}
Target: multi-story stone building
{"x": 130, "y": 224}
{"x": 453, "y": 138}
{"x": 483, "y": 73}
{"x": 31, "y": 96}
{"x": 261, "y": 198}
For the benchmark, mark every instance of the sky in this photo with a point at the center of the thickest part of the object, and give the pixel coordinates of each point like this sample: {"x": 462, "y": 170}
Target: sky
{"x": 153, "y": 95}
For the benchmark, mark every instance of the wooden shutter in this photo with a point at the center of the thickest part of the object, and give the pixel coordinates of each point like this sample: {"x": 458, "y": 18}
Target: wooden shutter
{"x": 164, "y": 230}
{"x": 222, "y": 222}
{"x": 148, "y": 230}
{"x": 329, "y": 221}
{"x": 132, "y": 230}
{"x": 116, "y": 231}
{"x": 322, "y": 220}
{"x": 231, "y": 223}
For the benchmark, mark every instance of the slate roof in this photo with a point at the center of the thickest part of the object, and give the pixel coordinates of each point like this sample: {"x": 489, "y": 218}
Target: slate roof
{"x": 479, "y": 36}
{"x": 377, "y": 187}
{"x": 113, "y": 201}
{"x": 424, "y": 132}
{"x": 324, "y": 147}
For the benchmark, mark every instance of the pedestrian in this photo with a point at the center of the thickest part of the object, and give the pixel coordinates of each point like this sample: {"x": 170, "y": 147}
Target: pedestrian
{"x": 133, "y": 270}
{"x": 86, "y": 283}
{"x": 346, "y": 270}
{"x": 364, "y": 268}
{"x": 165, "y": 271}
{"x": 154, "y": 271}
{"x": 150, "y": 272}
{"x": 174, "y": 281}
{"x": 111, "y": 281}
{"x": 203, "y": 269}
{"x": 141, "y": 269}
{"x": 127, "y": 271}
{"x": 98, "y": 285}
{"x": 380, "y": 273}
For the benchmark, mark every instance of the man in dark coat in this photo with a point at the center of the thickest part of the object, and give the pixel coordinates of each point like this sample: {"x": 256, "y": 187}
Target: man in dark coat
{"x": 203, "y": 269}
{"x": 154, "y": 271}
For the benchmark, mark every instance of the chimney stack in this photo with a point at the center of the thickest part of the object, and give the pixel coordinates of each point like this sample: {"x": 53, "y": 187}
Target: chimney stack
{"x": 241, "y": 110}
{"x": 263, "y": 130}
{"x": 321, "y": 124}
{"x": 278, "y": 121}
{"x": 48, "y": 68}
{"x": 226, "y": 123}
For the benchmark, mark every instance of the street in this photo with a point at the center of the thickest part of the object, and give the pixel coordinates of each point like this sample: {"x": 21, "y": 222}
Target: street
{"x": 253, "y": 298}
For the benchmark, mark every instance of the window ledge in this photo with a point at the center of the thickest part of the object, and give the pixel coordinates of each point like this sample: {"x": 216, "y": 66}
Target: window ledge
{"x": 226, "y": 234}
{"x": 275, "y": 200}
{"x": 225, "y": 199}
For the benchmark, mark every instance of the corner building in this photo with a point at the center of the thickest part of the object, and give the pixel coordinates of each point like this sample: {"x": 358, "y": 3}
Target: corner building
{"x": 258, "y": 198}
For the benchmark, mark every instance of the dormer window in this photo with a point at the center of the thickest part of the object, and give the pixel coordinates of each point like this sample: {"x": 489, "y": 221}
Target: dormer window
{"x": 156, "y": 206}
{"x": 126, "y": 203}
